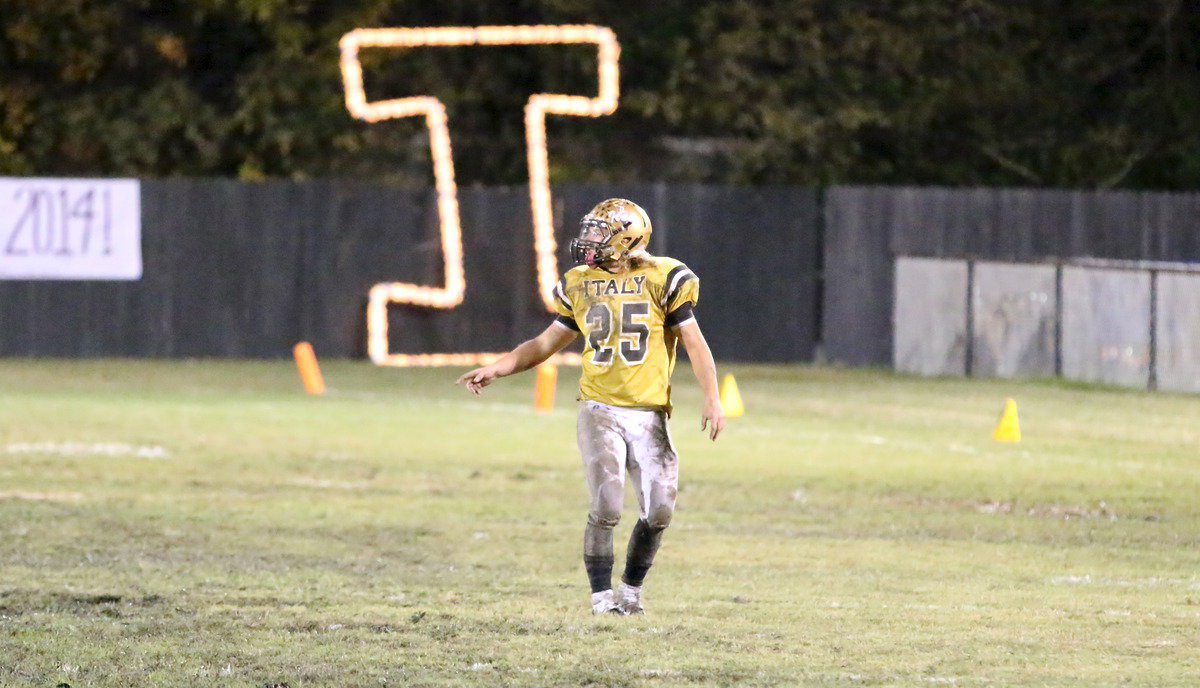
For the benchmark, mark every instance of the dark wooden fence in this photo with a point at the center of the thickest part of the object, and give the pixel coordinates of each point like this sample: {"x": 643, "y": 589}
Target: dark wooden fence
{"x": 234, "y": 269}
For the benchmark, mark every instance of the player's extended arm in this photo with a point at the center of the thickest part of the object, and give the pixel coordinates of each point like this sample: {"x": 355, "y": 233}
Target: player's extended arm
{"x": 525, "y": 356}
{"x": 705, "y": 368}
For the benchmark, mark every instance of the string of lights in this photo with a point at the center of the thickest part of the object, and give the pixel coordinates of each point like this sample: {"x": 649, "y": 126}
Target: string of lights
{"x": 451, "y": 293}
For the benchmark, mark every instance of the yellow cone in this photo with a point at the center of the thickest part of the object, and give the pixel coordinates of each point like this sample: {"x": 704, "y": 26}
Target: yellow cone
{"x": 731, "y": 398}
{"x": 544, "y": 387}
{"x": 1009, "y": 429}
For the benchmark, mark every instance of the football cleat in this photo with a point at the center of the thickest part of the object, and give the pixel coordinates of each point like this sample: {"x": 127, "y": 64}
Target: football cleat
{"x": 629, "y": 599}
{"x": 605, "y": 602}
{"x": 609, "y": 232}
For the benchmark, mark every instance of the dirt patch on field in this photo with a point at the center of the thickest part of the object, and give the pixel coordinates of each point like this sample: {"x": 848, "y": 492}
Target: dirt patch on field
{"x": 19, "y": 602}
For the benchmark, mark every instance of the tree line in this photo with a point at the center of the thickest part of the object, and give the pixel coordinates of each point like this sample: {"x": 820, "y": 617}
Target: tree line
{"x": 1049, "y": 93}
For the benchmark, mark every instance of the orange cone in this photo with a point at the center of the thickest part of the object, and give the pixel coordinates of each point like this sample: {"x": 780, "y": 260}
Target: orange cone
{"x": 544, "y": 387}
{"x": 310, "y": 372}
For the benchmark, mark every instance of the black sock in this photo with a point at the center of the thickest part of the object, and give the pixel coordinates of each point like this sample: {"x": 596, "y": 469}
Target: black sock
{"x": 643, "y": 544}
{"x": 599, "y": 571}
{"x": 598, "y": 551}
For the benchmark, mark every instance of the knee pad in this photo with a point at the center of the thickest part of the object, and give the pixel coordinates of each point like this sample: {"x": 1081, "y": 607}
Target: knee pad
{"x": 659, "y": 519}
{"x": 604, "y": 519}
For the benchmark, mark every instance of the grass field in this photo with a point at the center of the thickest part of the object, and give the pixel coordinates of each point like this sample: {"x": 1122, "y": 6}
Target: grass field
{"x": 205, "y": 523}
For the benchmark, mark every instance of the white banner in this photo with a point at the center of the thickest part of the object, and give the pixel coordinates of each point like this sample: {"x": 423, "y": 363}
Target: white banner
{"x": 70, "y": 229}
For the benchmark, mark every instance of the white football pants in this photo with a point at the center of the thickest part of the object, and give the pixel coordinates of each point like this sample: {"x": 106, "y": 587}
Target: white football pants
{"x": 613, "y": 440}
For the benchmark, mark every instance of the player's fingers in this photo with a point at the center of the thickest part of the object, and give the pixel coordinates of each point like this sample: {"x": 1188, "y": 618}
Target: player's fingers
{"x": 717, "y": 426}
{"x": 466, "y": 376}
{"x": 703, "y": 422}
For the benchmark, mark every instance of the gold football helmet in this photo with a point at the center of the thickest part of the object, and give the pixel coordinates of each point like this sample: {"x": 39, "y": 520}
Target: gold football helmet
{"x": 610, "y": 231}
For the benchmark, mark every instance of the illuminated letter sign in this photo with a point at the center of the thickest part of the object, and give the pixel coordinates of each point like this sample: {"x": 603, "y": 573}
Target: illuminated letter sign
{"x": 451, "y": 293}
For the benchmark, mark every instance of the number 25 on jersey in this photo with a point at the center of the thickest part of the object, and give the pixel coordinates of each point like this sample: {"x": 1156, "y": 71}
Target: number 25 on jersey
{"x": 632, "y": 335}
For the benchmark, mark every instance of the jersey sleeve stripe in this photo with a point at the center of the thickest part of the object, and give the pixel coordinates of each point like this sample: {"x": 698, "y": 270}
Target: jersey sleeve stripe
{"x": 680, "y": 279}
{"x": 681, "y": 323}
{"x": 672, "y": 279}
{"x": 569, "y": 323}
{"x": 562, "y": 297}
{"x": 680, "y": 315}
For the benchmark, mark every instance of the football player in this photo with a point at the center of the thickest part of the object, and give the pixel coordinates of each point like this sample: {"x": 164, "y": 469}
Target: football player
{"x": 632, "y": 309}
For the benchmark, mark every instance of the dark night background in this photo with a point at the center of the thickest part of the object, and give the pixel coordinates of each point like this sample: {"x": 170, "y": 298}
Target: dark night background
{"x": 1074, "y": 94}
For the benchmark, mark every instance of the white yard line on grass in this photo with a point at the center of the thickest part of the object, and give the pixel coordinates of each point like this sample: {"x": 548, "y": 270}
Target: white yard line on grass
{"x": 330, "y": 484}
{"x": 897, "y": 443}
{"x": 143, "y": 451}
{"x": 1192, "y": 583}
{"x": 30, "y": 496}
{"x": 565, "y": 408}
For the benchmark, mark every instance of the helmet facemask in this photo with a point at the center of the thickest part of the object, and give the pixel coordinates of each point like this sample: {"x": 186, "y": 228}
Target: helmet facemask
{"x": 592, "y": 246}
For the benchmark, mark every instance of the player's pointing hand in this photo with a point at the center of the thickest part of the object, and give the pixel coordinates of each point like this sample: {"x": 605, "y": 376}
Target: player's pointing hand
{"x": 477, "y": 379}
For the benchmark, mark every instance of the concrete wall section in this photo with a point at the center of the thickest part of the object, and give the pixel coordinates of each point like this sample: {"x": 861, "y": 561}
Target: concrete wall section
{"x": 1178, "y": 340}
{"x": 1015, "y": 309}
{"x": 866, "y": 226}
{"x": 1106, "y": 326}
{"x": 930, "y": 321}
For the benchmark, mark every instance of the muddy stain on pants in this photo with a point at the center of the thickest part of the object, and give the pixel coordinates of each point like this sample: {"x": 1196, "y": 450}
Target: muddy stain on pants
{"x": 612, "y": 441}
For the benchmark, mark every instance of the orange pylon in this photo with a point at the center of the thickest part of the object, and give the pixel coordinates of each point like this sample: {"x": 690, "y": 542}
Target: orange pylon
{"x": 310, "y": 372}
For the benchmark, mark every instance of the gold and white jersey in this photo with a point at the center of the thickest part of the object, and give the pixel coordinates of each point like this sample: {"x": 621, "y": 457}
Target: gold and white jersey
{"x": 628, "y": 322}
